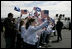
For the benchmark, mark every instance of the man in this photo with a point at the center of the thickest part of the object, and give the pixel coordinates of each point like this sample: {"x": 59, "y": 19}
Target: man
{"x": 9, "y": 28}
{"x": 19, "y": 40}
{"x": 59, "y": 28}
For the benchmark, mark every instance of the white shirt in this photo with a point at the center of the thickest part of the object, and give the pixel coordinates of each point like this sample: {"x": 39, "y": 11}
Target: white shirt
{"x": 30, "y": 34}
{"x": 18, "y": 24}
{"x": 23, "y": 30}
{"x": 49, "y": 29}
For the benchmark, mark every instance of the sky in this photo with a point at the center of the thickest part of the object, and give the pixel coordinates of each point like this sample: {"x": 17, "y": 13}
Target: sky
{"x": 54, "y": 7}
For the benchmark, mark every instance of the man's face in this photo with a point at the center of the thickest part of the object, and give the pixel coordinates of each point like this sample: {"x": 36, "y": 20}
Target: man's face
{"x": 34, "y": 23}
{"x": 11, "y": 17}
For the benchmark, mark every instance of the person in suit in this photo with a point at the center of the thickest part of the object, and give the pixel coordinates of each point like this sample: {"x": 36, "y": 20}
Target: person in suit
{"x": 9, "y": 28}
{"x": 59, "y": 28}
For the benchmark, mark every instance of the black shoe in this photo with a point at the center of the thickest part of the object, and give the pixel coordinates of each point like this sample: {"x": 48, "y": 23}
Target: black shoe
{"x": 55, "y": 35}
{"x": 57, "y": 40}
{"x": 41, "y": 44}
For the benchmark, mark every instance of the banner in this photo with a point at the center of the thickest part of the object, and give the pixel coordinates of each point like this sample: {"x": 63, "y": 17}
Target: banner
{"x": 23, "y": 11}
{"x": 37, "y": 9}
{"x": 17, "y": 9}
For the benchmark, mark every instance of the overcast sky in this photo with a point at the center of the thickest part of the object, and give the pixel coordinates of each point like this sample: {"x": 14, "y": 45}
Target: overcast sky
{"x": 54, "y": 7}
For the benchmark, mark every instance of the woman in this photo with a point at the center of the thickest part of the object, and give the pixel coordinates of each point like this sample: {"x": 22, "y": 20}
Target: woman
{"x": 18, "y": 26}
{"x": 29, "y": 37}
{"x": 22, "y": 30}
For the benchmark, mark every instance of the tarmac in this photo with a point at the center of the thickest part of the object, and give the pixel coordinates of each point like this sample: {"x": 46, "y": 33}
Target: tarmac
{"x": 65, "y": 43}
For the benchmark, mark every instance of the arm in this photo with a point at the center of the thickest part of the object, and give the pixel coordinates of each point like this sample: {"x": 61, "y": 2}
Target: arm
{"x": 40, "y": 26}
{"x": 23, "y": 29}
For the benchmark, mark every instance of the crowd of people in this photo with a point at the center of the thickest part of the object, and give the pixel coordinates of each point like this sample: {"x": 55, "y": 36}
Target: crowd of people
{"x": 22, "y": 33}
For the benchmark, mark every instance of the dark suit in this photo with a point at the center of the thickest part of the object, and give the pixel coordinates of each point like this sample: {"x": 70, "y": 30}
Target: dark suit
{"x": 9, "y": 33}
{"x": 59, "y": 28}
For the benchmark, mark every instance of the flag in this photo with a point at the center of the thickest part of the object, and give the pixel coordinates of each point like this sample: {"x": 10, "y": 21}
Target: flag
{"x": 23, "y": 11}
{"x": 17, "y": 9}
{"x": 44, "y": 13}
{"x": 37, "y": 9}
